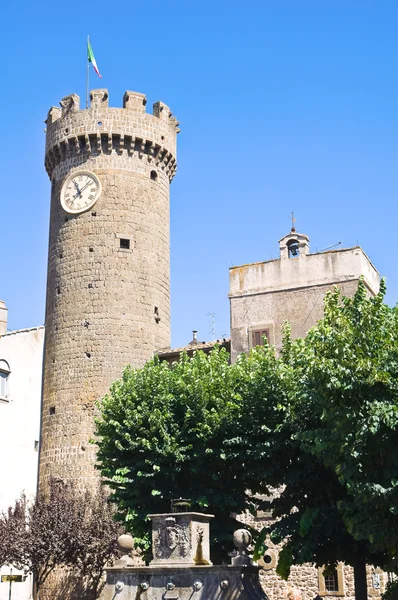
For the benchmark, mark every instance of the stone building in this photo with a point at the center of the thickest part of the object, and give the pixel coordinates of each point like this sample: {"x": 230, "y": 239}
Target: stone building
{"x": 265, "y": 294}
{"x": 262, "y": 296}
{"x": 171, "y": 355}
{"x": 21, "y": 357}
{"x": 311, "y": 581}
{"x": 108, "y": 281}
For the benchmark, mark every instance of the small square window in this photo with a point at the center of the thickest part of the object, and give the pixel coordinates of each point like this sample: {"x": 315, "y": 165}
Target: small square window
{"x": 125, "y": 243}
{"x": 258, "y": 336}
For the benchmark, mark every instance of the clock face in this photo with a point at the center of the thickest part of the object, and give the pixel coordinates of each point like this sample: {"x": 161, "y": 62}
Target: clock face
{"x": 80, "y": 192}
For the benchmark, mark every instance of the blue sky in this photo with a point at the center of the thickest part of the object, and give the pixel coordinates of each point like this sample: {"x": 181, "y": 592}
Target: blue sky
{"x": 284, "y": 105}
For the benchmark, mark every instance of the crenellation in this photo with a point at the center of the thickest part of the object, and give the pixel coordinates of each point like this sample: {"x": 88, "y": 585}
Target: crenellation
{"x": 78, "y": 136}
{"x": 99, "y": 98}
{"x": 70, "y": 104}
{"x": 174, "y": 123}
{"x": 161, "y": 111}
{"x": 134, "y": 101}
{"x": 53, "y": 115}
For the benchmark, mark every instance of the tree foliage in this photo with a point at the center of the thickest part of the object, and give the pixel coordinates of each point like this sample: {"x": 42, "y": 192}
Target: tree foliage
{"x": 338, "y": 432}
{"x": 96, "y": 538}
{"x": 352, "y": 385}
{"x": 59, "y": 528}
{"x": 391, "y": 592}
{"x": 163, "y": 434}
{"x": 39, "y": 536}
{"x": 12, "y": 531}
{"x": 317, "y": 422}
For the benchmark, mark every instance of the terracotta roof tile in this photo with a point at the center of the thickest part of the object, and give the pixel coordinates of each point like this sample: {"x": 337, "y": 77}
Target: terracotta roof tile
{"x": 164, "y": 352}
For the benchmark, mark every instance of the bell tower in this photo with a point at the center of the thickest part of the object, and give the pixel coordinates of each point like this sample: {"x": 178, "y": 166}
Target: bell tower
{"x": 108, "y": 282}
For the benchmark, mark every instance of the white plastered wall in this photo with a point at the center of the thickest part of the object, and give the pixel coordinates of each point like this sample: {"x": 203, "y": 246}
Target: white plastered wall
{"x": 20, "y": 429}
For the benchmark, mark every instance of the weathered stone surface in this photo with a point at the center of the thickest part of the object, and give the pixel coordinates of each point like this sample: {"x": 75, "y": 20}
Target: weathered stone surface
{"x": 180, "y": 539}
{"x": 308, "y": 578}
{"x": 107, "y": 305}
{"x": 184, "y": 583}
{"x": 265, "y": 294}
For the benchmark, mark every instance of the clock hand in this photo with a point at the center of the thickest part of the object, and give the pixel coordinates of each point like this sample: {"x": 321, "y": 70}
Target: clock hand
{"x": 77, "y": 187}
{"x": 82, "y": 190}
{"x": 85, "y": 186}
{"x": 79, "y": 193}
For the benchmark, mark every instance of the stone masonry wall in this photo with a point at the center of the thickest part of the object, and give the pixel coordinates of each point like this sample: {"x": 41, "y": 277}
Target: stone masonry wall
{"x": 302, "y": 307}
{"x": 307, "y": 577}
{"x": 106, "y": 306}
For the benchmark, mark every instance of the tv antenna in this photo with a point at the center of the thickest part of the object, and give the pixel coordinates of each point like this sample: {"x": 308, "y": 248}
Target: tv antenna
{"x": 213, "y": 325}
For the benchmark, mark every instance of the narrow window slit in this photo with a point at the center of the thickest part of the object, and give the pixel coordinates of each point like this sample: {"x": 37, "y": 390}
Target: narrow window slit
{"x": 125, "y": 243}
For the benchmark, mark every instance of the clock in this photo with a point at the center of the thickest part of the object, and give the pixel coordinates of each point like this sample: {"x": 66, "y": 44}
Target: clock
{"x": 80, "y": 192}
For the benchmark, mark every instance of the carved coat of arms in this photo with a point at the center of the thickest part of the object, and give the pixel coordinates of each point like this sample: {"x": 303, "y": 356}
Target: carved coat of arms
{"x": 171, "y": 540}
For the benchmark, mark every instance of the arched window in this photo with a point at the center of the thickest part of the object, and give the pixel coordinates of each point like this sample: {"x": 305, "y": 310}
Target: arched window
{"x": 293, "y": 249}
{"x": 4, "y": 375}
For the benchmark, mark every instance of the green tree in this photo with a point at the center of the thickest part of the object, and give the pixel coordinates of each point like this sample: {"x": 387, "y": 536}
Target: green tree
{"x": 352, "y": 385}
{"x": 391, "y": 592}
{"x": 352, "y": 381}
{"x": 163, "y": 434}
{"x": 312, "y": 429}
{"x": 333, "y": 448}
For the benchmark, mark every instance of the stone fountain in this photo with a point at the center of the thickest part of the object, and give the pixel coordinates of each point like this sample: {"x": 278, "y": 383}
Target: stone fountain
{"x": 181, "y": 568}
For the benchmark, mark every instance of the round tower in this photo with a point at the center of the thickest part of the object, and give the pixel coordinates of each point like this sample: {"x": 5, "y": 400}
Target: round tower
{"x": 108, "y": 283}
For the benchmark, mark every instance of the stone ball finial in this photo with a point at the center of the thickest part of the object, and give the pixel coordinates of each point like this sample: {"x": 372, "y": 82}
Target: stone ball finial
{"x": 125, "y": 543}
{"x": 242, "y": 538}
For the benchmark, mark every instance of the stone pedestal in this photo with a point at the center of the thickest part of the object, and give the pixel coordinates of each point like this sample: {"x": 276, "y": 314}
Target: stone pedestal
{"x": 180, "y": 539}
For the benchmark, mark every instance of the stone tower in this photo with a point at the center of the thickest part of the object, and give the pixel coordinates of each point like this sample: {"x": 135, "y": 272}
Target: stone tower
{"x": 108, "y": 284}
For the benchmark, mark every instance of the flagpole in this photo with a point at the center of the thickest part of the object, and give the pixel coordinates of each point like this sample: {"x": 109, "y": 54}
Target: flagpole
{"x": 87, "y": 72}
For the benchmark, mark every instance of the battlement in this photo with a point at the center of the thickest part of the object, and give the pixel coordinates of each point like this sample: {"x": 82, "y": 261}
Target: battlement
{"x": 100, "y": 129}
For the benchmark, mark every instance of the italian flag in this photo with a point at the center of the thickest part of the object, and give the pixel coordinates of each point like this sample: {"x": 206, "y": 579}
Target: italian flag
{"x": 91, "y": 58}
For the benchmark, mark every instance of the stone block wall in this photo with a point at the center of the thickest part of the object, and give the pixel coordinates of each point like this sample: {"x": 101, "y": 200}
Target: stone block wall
{"x": 302, "y": 307}
{"x": 264, "y": 295}
{"x": 308, "y": 578}
{"x": 107, "y": 305}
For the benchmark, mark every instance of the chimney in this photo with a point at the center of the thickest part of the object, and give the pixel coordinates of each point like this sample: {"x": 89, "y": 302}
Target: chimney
{"x": 194, "y": 341}
{"x": 3, "y": 317}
